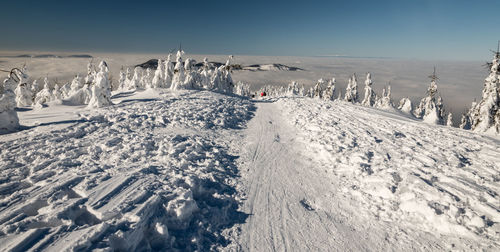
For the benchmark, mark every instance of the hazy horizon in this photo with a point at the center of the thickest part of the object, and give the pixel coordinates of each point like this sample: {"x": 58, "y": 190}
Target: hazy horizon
{"x": 427, "y": 30}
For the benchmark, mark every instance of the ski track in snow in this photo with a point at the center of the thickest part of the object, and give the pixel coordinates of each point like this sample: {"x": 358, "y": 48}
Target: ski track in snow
{"x": 144, "y": 174}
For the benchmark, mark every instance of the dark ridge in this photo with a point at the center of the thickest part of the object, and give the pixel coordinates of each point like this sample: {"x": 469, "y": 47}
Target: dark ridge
{"x": 46, "y": 56}
{"x": 80, "y": 56}
{"x": 153, "y": 64}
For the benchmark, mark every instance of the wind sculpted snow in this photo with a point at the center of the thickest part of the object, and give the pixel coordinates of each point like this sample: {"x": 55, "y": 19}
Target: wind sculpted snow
{"x": 146, "y": 174}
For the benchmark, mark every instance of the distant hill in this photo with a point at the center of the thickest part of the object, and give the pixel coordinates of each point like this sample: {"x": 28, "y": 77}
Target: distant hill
{"x": 153, "y": 64}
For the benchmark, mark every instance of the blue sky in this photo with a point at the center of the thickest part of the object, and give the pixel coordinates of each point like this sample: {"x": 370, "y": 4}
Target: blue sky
{"x": 433, "y": 29}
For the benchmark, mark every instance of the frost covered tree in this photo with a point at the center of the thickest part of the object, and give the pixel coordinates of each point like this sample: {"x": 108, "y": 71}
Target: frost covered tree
{"x": 35, "y": 88}
{"x": 178, "y": 80}
{"x": 24, "y": 97}
{"x": 205, "y": 75}
{"x": 370, "y": 96}
{"x": 351, "y": 92}
{"x": 406, "y": 106}
{"x": 8, "y": 115}
{"x": 146, "y": 79}
{"x": 79, "y": 92}
{"x": 44, "y": 96}
{"x": 169, "y": 71}
{"x": 193, "y": 78}
{"x": 221, "y": 80}
{"x": 485, "y": 115}
{"x": 465, "y": 122}
{"x": 449, "y": 120}
{"x": 56, "y": 93}
{"x": 128, "y": 77}
{"x": 122, "y": 81}
{"x": 242, "y": 89}
{"x": 329, "y": 92}
{"x": 135, "y": 82}
{"x": 76, "y": 84}
{"x": 159, "y": 77}
{"x": 385, "y": 102}
{"x": 302, "y": 91}
{"x": 101, "y": 90}
{"x": 293, "y": 88}
{"x": 317, "y": 90}
{"x": 430, "y": 108}
{"x": 89, "y": 79}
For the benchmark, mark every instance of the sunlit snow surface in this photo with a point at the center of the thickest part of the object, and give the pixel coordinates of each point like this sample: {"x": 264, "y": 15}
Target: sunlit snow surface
{"x": 188, "y": 170}
{"x": 153, "y": 172}
{"x": 437, "y": 179}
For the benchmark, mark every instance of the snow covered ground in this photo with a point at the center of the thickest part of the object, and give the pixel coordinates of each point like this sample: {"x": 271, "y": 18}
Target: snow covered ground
{"x": 189, "y": 170}
{"x": 416, "y": 178}
{"x": 155, "y": 171}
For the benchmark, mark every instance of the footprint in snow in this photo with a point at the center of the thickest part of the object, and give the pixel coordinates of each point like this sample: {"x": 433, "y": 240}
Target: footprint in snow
{"x": 306, "y": 205}
{"x": 277, "y": 138}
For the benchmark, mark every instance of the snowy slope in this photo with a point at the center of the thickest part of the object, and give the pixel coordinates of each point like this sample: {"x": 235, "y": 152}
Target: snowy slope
{"x": 420, "y": 179}
{"x": 191, "y": 170}
{"x": 148, "y": 173}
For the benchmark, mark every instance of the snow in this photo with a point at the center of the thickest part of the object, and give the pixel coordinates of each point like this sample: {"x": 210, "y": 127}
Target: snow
{"x": 164, "y": 169}
{"x": 9, "y": 120}
{"x": 153, "y": 172}
{"x": 430, "y": 178}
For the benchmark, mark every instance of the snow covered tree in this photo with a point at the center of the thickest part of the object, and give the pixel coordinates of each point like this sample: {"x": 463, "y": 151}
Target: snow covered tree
{"x": 205, "y": 75}
{"x": 485, "y": 116}
{"x": 329, "y": 92}
{"x": 89, "y": 79}
{"x": 430, "y": 108}
{"x": 76, "y": 84}
{"x": 44, "y": 96}
{"x": 24, "y": 97}
{"x": 465, "y": 122}
{"x": 302, "y": 91}
{"x": 101, "y": 90}
{"x": 159, "y": 77}
{"x": 370, "y": 96}
{"x": 317, "y": 90}
{"x": 293, "y": 88}
{"x": 35, "y": 88}
{"x": 449, "y": 120}
{"x": 351, "y": 92}
{"x": 56, "y": 93}
{"x": 135, "y": 82}
{"x": 221, "y": 80}
{"x": 242, "y": 89}
{"x": 65, "y": 90}
{"x": 122, "y": 82}
{"x": 128, "y": 78}
{"x": 179, "y": 77}
{"x": 193, "y": 77}
{"x": 169, "y": 71}
{"x": 385, "y": 102}
{"x": 8, "y": 115}
{"x": 79, "y": 92}
{"x": 146, "y": 79}
{"x": 406, "y": 106}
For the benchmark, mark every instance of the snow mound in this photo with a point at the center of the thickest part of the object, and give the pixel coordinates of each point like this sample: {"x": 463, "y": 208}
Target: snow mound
{"x": 433, "y": 178}
{"x": 146, "y": 174}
